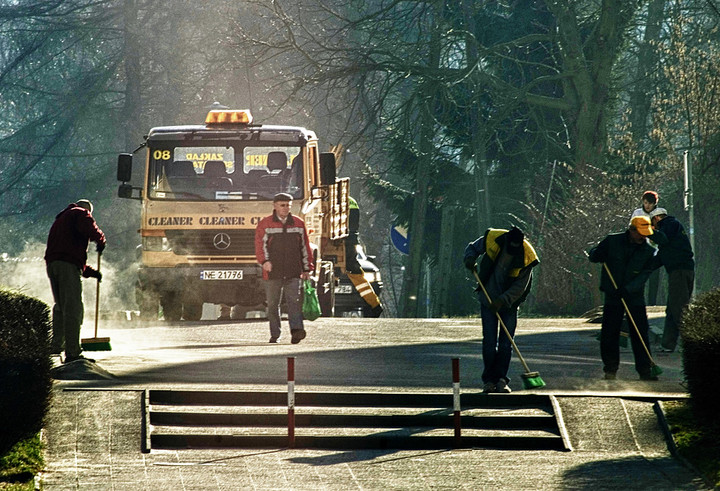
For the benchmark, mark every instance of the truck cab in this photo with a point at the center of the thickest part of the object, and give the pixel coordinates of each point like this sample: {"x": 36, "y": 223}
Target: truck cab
{"x": 204, "y": 190}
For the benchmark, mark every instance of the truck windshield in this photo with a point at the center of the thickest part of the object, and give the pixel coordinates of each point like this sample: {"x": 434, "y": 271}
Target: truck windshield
{"x": 219, "y": 172}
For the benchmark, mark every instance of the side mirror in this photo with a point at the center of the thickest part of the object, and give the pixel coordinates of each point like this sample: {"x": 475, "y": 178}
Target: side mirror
{"x": 327, "y": 169}
{"x": 124, "y": 168}
{"x": 125, "y": 191}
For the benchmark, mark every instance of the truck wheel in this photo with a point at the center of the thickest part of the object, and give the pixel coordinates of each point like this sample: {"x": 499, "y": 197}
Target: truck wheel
{"x": 172, "y": 307}
{"x": 192, "y": 311}
{"x": 148, "y": 304}
{"x": 326, "y": 293}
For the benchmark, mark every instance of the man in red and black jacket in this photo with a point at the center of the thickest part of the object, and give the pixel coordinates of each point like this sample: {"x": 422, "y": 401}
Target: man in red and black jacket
{"x": 282, "y": 248}
{"x": 65, "y": 257}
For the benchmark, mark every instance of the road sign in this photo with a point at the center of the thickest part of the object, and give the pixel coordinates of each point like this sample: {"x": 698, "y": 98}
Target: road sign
{"x": 400, "y": 238}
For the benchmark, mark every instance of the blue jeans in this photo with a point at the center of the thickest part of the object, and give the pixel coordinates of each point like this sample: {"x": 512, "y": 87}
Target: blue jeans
{"x": 496, "y": 346}
{"x": 291, "y": 289}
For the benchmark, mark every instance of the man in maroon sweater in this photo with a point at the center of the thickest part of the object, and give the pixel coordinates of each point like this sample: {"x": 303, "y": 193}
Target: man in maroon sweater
{"x": 65, "y": 257}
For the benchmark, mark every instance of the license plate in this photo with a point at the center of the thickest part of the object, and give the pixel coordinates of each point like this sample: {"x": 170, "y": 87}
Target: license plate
{"x": 221, "y": 274}
{"x": 344, "y": 289}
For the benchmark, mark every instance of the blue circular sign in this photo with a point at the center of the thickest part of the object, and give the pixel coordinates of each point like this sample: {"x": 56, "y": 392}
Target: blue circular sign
{"x": 400, "y": 238}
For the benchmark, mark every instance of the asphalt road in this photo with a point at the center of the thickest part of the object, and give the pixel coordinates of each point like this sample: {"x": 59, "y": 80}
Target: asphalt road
{"x": 93, "y": 433}
{"x": 351, "y": 353}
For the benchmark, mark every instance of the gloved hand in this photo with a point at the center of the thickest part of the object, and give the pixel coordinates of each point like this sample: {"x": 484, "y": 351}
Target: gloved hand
{"x": 100, "y": 247}
{"x": 496, "y": 305}
{"x": 90, "y": 272}
{"x": 470, "y": 263}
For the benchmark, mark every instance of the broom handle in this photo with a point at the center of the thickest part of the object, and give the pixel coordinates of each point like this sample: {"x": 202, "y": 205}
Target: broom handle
{"x": 512, "y": 341}
{"x": 627, "y": 310}
{"x": 97, "y": 297}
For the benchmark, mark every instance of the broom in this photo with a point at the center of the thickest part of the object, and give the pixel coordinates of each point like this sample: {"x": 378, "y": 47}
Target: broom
{"x": 96, "y": 343}
{"x": 531, "y": 380}
{"x": 654, "y": 369}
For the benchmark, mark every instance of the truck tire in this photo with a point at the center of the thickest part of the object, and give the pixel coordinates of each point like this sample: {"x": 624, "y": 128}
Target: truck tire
{"x": 192, "y": 311}
{"x": 148, "y": 304}
{"x": 326, "y": 292}
{"x": 172, "y": 306}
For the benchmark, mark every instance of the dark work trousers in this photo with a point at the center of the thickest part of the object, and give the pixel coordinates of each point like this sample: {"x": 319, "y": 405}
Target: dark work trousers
{"x": 653, "y": 284}
{"x": 496, "y": 346}
{"x": 610, "y": 337}
{"x": 68, "y": 310}
{"x": 291, "y": 290}
{"x": 680, "y": 289}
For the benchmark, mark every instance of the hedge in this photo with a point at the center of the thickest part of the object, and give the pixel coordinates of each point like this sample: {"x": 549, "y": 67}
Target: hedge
{"x": 700, "y": 334}
{"x": 25, "y": 363}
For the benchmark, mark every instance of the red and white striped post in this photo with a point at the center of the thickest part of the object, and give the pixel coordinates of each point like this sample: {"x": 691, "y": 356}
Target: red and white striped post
{"x": 456, "y": 397}
{"x": 291, "y": 400}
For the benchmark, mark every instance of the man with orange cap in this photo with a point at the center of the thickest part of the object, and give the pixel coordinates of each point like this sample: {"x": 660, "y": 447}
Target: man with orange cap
{"x": 629, "y": 258}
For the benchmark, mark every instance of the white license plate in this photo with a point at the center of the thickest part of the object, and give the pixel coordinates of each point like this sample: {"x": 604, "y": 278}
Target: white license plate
{"x": 221, "y": 274}
{"x": 344, "y": 289}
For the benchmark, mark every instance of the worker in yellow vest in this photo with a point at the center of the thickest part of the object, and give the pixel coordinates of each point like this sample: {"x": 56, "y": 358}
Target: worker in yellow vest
{"x": 505, "y": 270}
{"x": 354, "y": 270}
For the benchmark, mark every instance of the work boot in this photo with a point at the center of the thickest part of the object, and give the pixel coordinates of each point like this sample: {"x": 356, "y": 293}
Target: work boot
{"x": 648, "y": 376}
{"x": 297, "y": 335}
{"x": 502, "y": 387}
{"x": 488, "y": 388}
{"x": 273, "y": 339}
{"x": 610, "y": 376}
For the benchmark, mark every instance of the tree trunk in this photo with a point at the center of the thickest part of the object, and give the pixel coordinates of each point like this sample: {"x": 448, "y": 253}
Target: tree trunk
{"x": 131, "y": 56}
{"x": 644, "y": 83}
{"x": 588, "y": 63}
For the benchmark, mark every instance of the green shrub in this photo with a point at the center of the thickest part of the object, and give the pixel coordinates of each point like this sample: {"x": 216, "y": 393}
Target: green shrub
{"x": 25, "y": 363}
{"x": 700, "y": 333}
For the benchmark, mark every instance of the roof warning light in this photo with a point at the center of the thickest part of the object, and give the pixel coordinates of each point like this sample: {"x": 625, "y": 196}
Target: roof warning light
{"x": 229, "y": 116}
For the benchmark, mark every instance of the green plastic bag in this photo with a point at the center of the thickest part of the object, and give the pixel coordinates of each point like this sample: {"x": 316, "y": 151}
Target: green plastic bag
{"x": 311, "y": 304}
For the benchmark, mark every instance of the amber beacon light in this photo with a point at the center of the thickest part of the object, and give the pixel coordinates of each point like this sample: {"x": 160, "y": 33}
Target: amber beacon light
{"x": 224, "y": 116}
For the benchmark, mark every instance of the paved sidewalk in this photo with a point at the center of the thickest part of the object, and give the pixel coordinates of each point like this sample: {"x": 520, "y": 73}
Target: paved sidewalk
{"x": 94, "y": 441}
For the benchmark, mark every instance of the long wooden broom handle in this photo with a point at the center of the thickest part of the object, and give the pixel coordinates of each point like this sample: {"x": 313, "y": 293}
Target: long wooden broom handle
{"x": 97, "y": 297}
{"x": 627, "y": 310}
{"x": 512, "y": 341}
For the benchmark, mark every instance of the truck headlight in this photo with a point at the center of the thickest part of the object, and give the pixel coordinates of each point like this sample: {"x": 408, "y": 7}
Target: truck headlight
{"x": 155, "y": 244}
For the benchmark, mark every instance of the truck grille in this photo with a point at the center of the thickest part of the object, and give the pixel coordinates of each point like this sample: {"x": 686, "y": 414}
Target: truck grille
{"x": 212, "y": 242}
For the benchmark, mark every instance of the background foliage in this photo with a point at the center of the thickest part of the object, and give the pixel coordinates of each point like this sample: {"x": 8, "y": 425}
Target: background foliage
{"x": 554, "y": 115}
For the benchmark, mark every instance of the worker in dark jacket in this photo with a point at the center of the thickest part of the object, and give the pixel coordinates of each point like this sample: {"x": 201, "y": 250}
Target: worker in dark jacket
{"x": 282, "y": 248}
{"x": 675, "y": 253}
{"x": 629, "y": 258}
{"x": 506, "y": 273}
{"x": 66, "y": 258}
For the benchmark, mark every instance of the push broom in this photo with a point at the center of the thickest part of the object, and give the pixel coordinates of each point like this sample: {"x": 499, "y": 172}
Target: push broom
{"x": 531, "y": 380}
{"x": 96, "y": 343}
{"x": 655, "y": 370}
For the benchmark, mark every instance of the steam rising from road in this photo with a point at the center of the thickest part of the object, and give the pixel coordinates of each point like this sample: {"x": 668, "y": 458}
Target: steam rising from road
{"x": 26, "y": 273}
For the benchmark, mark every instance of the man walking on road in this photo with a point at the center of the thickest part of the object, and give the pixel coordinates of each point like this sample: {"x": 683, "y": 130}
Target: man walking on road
{"x": 282, "y": 248}
{"x": 629, "y": 258}
{"x": 506, "y": 273}
{"x": 675, "y": 253}
{"x": 65, "y": 258}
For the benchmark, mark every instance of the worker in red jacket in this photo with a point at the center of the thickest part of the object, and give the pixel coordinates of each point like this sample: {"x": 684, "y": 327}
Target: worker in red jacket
{"x": 282, "y": 248}
{"x": 65, "y": 258}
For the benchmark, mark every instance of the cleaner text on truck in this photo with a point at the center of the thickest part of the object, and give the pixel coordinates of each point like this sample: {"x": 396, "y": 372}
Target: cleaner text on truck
{"x": 205, "y": 189}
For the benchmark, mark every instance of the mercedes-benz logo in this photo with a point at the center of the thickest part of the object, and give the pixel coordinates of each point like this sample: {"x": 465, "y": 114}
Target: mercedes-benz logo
{"x": 221, "y": 241}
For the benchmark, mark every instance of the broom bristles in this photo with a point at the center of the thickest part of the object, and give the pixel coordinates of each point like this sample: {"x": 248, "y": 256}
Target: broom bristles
{"x": 96, "y": 344}
{"x": 655, "y": 370}
{"x": 532, "y": 380}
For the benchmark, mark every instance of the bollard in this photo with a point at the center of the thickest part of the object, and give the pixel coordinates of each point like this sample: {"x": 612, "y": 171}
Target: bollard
{"x": 291, "y": 400}
{"x": 456, "y": 397}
